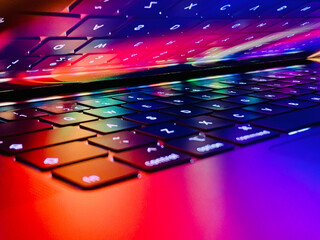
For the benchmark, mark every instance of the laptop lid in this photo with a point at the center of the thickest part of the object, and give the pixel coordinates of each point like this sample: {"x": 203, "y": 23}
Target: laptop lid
{"x": 84, "y": 41}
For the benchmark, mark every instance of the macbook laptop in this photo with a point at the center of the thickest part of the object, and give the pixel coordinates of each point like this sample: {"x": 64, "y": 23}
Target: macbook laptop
{"x": 160, "y": 119}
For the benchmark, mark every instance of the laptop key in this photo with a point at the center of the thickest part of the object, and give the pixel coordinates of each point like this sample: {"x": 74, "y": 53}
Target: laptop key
{"x": 312, "y": 87}
{"x": 68, "y": 119}
{"x": 293, "y": 91}
{"x": 166, "y": 131}
{"x": 133, "y": 97}
{"x": 270, "y": 95}
{"x": 109, "y": 112}
{"x": 207, "y": 96}
{"x": 232, "y": 91}
{"x": 21, "y": 127}
{"x": 294, "y": 103}
{"x": 122, "y": 141}
{"x": 109, "y": 125}
{"x": 63, "y": 107}
{"x": 57, "y": 156}
{"x": 22, "y": 114}
{"x": 101, "y": 102}
{"x": 152, "y": 158}
{"x": 145, "y": 106}
{"x": 238, "y": 115}
{"x": 30, "y": 141}
{"x": 244, "y": 100}
{"x": 205, "y": 123}
{"x": 199, "y": 145}
{"x": 217, "y": 105}
{"x": 291, "y": 121}
{"x": 243, "y": 134}
{"x": 310, "y": 97}
{"x": 268, "y": 109}
{"x": 186, "y": 111}
{"x": 94, "y": 173}
{"x": 149, "y": 118}
{"x": 179, "y": 100}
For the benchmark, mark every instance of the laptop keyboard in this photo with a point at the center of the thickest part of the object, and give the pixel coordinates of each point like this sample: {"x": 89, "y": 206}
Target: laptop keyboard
{"x": 154, "y": 128}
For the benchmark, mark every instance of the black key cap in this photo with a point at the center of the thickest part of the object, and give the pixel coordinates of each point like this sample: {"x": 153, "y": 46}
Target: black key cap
{"x": 101, "y": 102}
{"x": 56, "y": 156}
{"x": 217, "y": 105}
{"x": 199, "y": 145}
{"x": 94, "y": 173}
{"x": 294, "y": 103}
{"x": 270, "y": 95}
{"x": 312, "y": 87}
{"x": 109, "y": 125}
{"x": 109, "y": 112}
{"x": 190, "y": 89}
{"x": 256, "y": 88}
{"x": 268, "y": 109}
{"x": 216, "y": 85}
{"x": 41, "y": 139}
{"x": 186, "y": 111}
{"x": 133, "y": 97}
{"x": 163, "y": 92}
{"x": 310, "y": 97}
{"x": 150, "y": 118}
{"x": 293, "y": 91}
{"x": 232, "y": 91}
{"x": 145, "y": 106}
{"x": 243, "y": 134}
{"x": 68, "y": 119}
{"x": 21, "y": 127}
{"x": 277, "y": 84}
{"x": 238, "y": 115}
{"x": 63, "y": 107}
{"x": 179, "y": 100}
{"x": 152, "y": 158}
{"x": 205, "y": 123}
{"x": 166, "y": 131}
{"x": 22, "y": 114}
{"x": 122, "y": 141}
{"x": 244, "y": 100}
{"x": 291, "y": 121}
{"x": 208, "y": 96}
{"x": 297, "y": 81}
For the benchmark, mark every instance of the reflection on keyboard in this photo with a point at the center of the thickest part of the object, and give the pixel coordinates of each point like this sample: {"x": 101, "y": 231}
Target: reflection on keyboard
{"x": 99, "y": 34}
{"x": 159, "y": 127}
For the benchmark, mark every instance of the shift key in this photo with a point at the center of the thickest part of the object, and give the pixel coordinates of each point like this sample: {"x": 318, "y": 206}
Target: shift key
{"x": 291, "y": 121}
{"x": 30, "y": 141}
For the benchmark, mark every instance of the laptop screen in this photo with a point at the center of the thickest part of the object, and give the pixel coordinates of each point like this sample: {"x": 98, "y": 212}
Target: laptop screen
{"x": 92, "y": 40}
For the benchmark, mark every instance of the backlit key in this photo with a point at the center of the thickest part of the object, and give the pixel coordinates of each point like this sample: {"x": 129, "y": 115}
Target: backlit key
{"x": 30, "y": 141}
{"x": 109, "y": 125}
{"x": 122, "y": 141}
{"x": 199, "y": 145}
{"x": 22, "y": 114}
{"x": 243, "y": 134}
{"x": 94, "y": 173}
{"x": 166, "y": 131}
{"x": 152, "y": 158}
{"x": 67, "y": 119}
{"x": 20, "y": 127}
{"x": 63, "y": 107}
{"x": 109, "y": 112}
{"x": 56, "y": 156}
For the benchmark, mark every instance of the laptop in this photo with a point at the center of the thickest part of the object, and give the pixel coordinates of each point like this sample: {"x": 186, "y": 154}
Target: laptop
{"x": 160, "y": 119}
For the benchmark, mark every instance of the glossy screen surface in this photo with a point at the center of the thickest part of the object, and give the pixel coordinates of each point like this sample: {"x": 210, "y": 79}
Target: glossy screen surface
{"x": 91, "y": 40}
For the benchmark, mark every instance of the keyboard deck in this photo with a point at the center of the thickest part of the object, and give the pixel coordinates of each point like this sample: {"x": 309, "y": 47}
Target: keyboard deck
{"x": 106, "y": 138}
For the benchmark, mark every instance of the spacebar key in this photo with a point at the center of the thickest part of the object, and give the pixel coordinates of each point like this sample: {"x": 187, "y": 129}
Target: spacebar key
{"x": 21, "y": 143}
{"x": 291, "y": 121}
